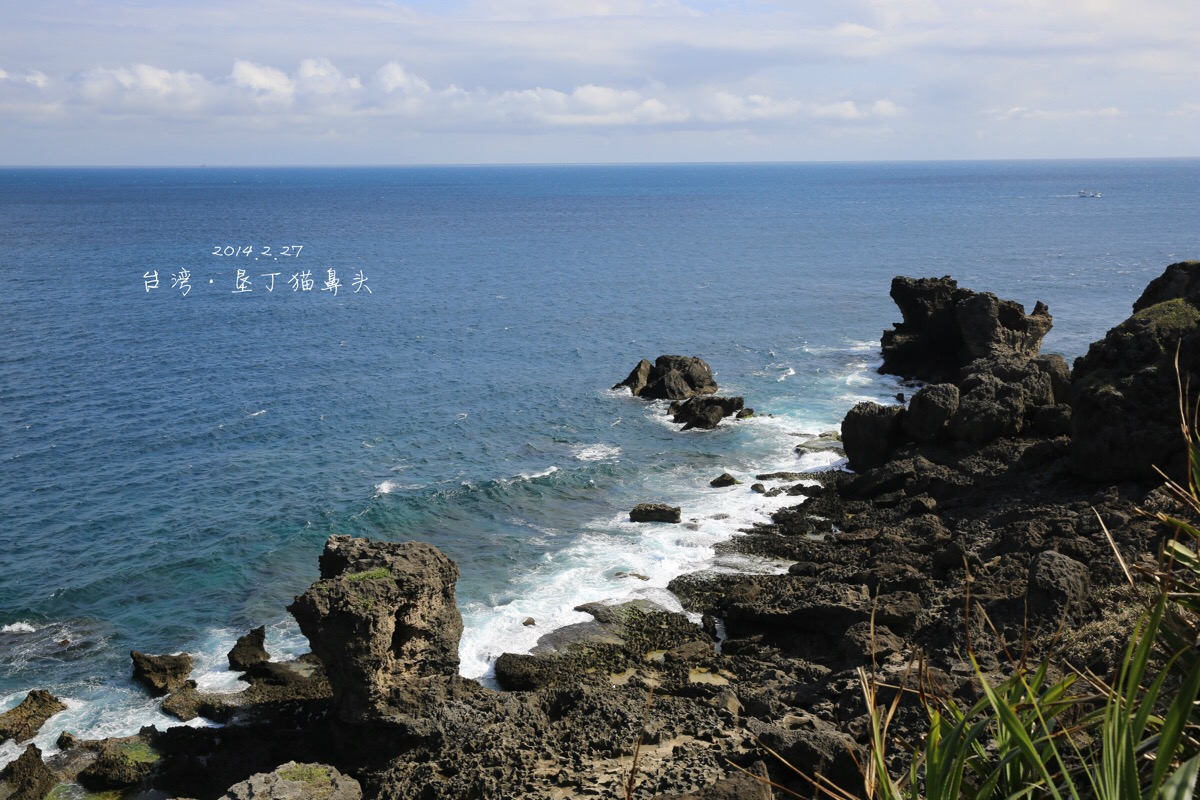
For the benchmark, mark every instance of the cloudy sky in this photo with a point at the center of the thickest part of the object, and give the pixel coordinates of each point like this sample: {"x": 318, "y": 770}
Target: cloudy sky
{"x": 530, "y": 81}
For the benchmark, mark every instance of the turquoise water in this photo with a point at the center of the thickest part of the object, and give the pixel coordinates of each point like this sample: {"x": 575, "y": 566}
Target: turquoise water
{"x": 170, "y": 465}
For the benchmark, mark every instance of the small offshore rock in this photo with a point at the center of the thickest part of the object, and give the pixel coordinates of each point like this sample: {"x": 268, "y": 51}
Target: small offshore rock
{"x": 723, "y": 480}
{"x": 293, "y": 781}
{"x": 529, "y": 622}
{"x": 759, "y": 488}
{"x": 24, "y": 721}
{"x": 161, "y": 674}
{"x": 655, "y": 512}
{"x": 670, "y": 378}
{"x": 249, "y": 651}
{"x": 745, "y": 413}
{"x": 28, "y": 777}
{"x": 706, "y": 412}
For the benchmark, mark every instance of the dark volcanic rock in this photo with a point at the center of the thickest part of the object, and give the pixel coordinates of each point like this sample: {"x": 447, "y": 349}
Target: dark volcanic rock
{"x": 384, "y": 621}
{"x": 722, "y": 480}
{"x": 944, "y": 328}
{"x": 292, "y": 781}
{"x": 24, "y": 721}
{"x": 1180, "y": 280}
{"x": 929, "y": 411}
{"x": 869, "y": 432}
{"x": 1125, "y": 395}
{"x": 1056, "y": 582}
{"x": 706, "y": 412}
{"x": 670, "y": 378}
{"x": 655, "y": 512}
{"x": 161, "y": 674}
{"x": 27, "y": 778}
{"x": 249, "y": 651}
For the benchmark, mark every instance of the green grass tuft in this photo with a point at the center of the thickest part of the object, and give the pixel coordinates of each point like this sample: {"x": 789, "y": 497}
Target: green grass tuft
{"x": 311, "y": 774}
{"x": 370, "y": 575}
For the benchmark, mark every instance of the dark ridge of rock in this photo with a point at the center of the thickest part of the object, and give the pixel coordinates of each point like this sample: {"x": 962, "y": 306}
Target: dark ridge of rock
{"x": 705, "y": 412}
{"x": 929, "y": 411}
{"x": 25, "y": 720}
{"x": 1179, "y": 280}
{"x": 271, "y": 683}
{"x": 869, "y": 432}
{"x": 670, "y": 378}
{"x": 292, "y": 781}
{"x": 27, "y": 777}
{"x": 249, "y": 651}
{"x": 161, "y": 673}
{"x": 1125, "y": 392}
{"x": 655, "y": 512}
{"x": 384, "y": 622}
{"x": 944, "y": 328}
{"x": 723, "y": 480}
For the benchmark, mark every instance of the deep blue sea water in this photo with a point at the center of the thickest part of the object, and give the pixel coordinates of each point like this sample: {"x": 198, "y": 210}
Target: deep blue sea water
{"x": 171, "y": 465}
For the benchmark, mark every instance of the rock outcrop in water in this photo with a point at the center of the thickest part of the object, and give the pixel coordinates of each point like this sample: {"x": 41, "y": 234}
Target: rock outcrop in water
{"x": 23, "y": 722}
{"x": 670, "y": 378}
{"x": 993, "y": 484}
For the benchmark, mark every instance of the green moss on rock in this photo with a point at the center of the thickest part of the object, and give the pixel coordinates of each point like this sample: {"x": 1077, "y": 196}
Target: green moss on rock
{"x": 1171, "y": 318}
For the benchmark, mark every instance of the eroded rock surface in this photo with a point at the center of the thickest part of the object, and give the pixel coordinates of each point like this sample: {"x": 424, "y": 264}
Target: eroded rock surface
{"x": 670, "y": 378}
{"x": 384, "y": 621}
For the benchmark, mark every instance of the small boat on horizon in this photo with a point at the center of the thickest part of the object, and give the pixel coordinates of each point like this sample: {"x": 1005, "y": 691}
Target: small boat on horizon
{"x": 1086, "y": 193}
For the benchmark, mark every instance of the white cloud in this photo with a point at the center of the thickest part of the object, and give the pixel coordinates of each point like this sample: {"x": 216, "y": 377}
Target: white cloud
{"x": 1021, "y": 112}
{"x": 267, "y": 82}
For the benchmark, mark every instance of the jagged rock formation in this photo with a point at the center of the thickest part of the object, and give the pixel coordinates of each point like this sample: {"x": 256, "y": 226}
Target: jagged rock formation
{"x": 248, "y": 652}
{"x": 944, "y": 328}
{"x": 1125, "y": 392}
{"x": 28, "y": 777}
{"x": 670, "y": 378}
{"x": 384, "y": 622}
{"x": 24, "y": 721}
{"x": 162, "y": 674}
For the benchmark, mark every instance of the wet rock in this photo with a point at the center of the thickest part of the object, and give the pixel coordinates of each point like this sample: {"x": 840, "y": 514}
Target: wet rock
{"x": 384, "y": 621}
{"x": 27, "y": 777}
{"x": 670, "y": 378}
{"x": 745, "y": 413}
{"x": 24, "y": 721}
{"x": 293, "y": 781}
{"x": 705, "y": 412}
{"x": 723, "y": 480}
{"x": 161, "y": 674}
{"x": 758, "y": 488}
{"x": 655, "y": 512}
{"x": 249, "y": 651}
{"x": 869, "y": 432}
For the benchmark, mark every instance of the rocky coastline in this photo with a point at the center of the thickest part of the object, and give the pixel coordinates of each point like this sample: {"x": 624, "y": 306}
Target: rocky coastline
{"x": 996, "y": 488}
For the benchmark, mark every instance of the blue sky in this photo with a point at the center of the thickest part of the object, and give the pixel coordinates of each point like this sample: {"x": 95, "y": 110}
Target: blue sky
{"x": 530, "y": 81}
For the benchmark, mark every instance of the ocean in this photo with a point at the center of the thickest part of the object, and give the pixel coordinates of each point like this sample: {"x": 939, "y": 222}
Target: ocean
{"x": 206, "y": 372}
